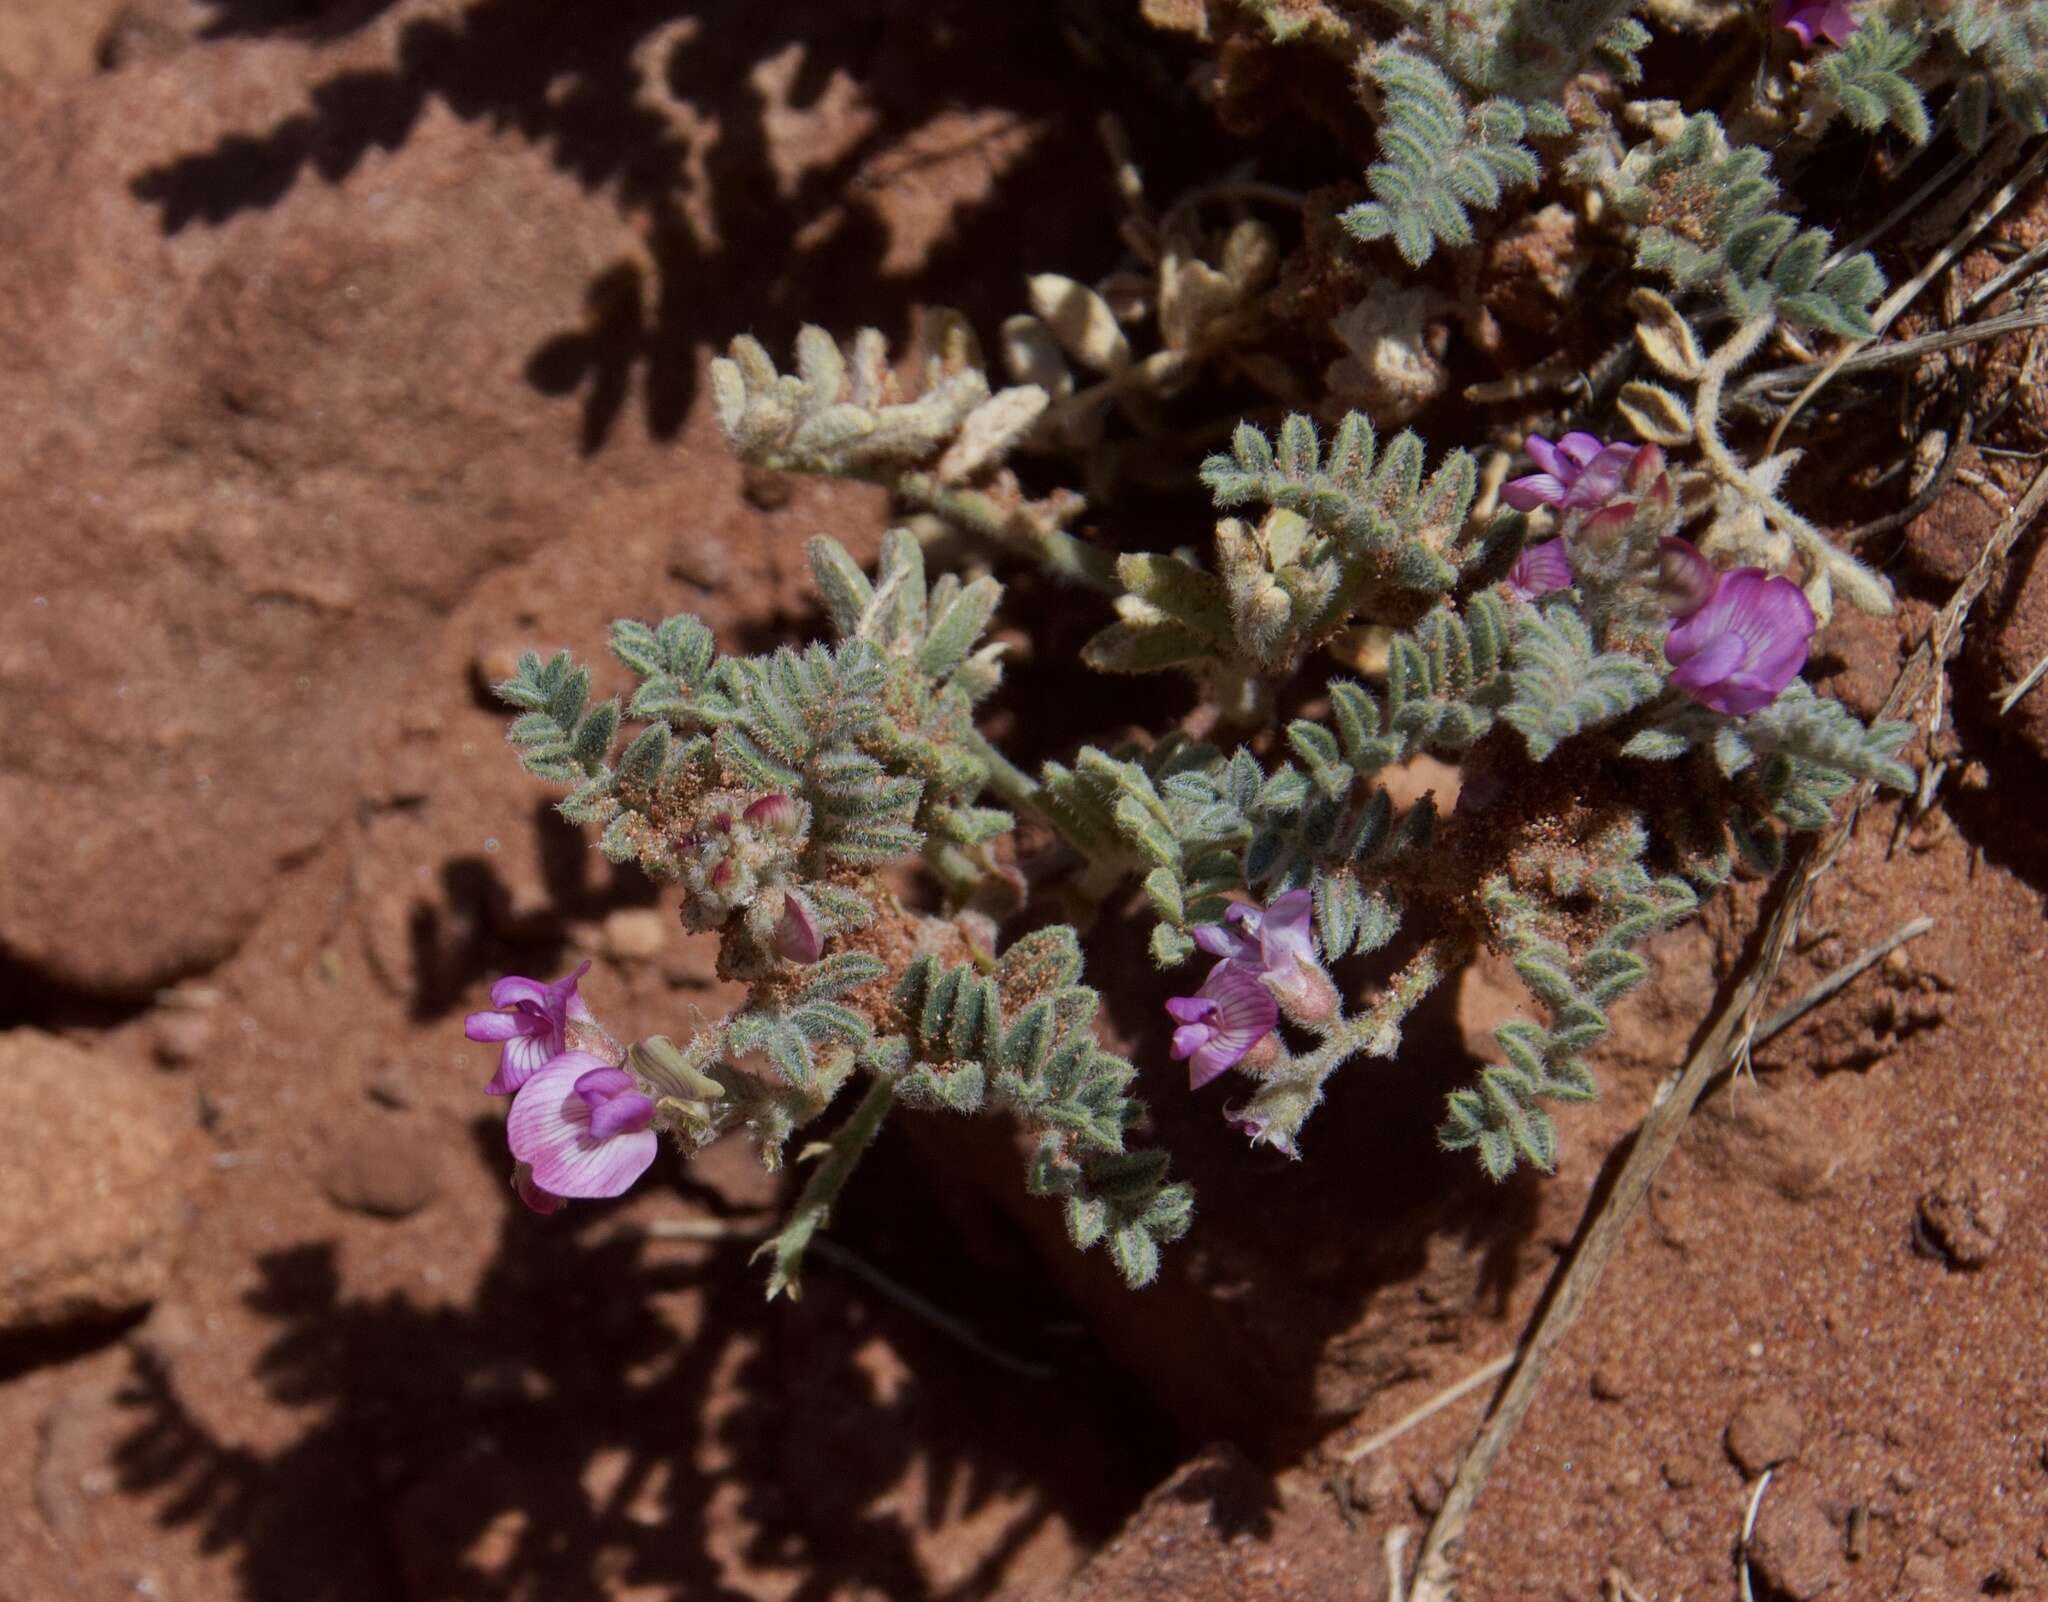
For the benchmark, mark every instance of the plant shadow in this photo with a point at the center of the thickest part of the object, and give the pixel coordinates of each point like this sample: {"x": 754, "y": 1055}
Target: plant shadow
{"x": 614, "y": 1409}
{"x": 748, "y": 228}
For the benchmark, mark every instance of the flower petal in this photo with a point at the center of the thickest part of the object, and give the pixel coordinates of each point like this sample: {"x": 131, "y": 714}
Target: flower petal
{"x": 1540, "y": 570}
{"x": 1287, "y": 933}
{"x": 492, "y": 1026}
{"x": 550, "y": 1129}
{"x": 1685, "y": 577}
{"x": 523, "y": 1057}
{"x": 603, "y": 1082}
{"x": 1532, "y": 490}
{"x": 625, "y": 1114}
{"x": 1706, "y": 662}
{"x": 1547, "y": 457}
{"x": 515, "y": 988}
{"x": 1190, "y": 1009}
{"x": 1581, "y": 449}
{"x": 1600, "y": 479}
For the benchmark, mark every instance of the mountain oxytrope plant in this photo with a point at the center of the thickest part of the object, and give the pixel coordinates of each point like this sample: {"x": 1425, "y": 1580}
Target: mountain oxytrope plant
{"x": 787, "y": 795}
{"x": 1607, "y": 644}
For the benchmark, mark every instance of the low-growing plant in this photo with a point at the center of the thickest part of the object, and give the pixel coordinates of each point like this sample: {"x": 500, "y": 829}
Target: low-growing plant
{"x": 1608, "y": 648}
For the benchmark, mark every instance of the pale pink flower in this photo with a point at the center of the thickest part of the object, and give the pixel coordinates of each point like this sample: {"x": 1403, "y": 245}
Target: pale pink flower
{"x": 583, "y": 1127}
{"x": 1540, "y": 570}
{"x": 1276, "y": 943}
{"x": 533, "y": 1025}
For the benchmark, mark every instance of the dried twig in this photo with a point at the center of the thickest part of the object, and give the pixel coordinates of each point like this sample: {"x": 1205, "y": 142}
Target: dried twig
{"x": 1785, "y": 1017}
{"x": 2019, "y": 268}
{"x": 1752, "y": 391}
{"x": 1726, "y": 1038}
{"x": 1429, "y": 1409}
{"x": 2011, "y": 698}
{"x": 1906, "y": 293}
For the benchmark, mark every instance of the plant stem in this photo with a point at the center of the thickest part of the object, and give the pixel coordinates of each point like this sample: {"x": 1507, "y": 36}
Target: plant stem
{"x": 841, "y": 1156}
{"x": 1021, "y": 527}
{"x": 1376, "y": 1032}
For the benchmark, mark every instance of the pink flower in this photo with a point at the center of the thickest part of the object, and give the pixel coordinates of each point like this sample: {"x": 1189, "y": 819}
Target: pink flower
{"x": 1221, "y": 1022}
{"x": 534, "y": 1030}
{"x": 1831, "y": 19}
{"x": 1744, "y": 645}
{"x": 1276, "y": 943}
{"x": 1578, "y": 473}
{"x": 797, "y": 936}
{"x": 582, "y": 1128}
{"x": 1539, "y": 570}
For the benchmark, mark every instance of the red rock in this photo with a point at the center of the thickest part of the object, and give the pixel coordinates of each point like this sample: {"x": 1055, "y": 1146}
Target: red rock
{"x": 93, "y": 1192}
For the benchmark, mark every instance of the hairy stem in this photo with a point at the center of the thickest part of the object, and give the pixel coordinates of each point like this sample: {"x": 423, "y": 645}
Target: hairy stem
{"x": 841, "y": 1156}
{"x": 1019, "y": 527}
{"x": 1376, "y": 1032}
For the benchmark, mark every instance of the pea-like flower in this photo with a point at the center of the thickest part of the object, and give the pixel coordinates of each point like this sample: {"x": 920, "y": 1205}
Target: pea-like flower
{"x": 532, "y": 1019}
{"x": 581, "y": 1128}
{"x": 1540, "y": 570}
{"x": 1268, "y": 959}
{"x": 1832, "y": 20}
{"x": 1221, "y": 1022}
{"x": 1579, "y": 473}
{"x": 1276, "y": 943}
{"x": 1744, "y": 644}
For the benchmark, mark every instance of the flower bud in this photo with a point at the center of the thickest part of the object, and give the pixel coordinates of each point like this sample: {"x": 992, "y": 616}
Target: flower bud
{"x": 673, "y": 1072}
{"x": 1685, "y": 578}
{"x": 775, "y": 812}
{"x": 796, "y": 932}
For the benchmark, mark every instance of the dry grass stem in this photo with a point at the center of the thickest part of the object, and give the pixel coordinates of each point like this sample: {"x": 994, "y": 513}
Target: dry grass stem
{"x": 1785, "y": 1017}
{"x": 1429, "y": 1409}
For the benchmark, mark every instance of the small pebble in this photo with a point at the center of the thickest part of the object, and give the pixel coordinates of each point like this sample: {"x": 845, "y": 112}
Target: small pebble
{"x": 182, "y": 1035}
{"x": 383, "y": 1170}
{"x": 1793, "y": 1549}
{"x": 1610, "y": 1384}
{"x": 1766, "y": 1430}
{"x": 389, "y": 1085}
{"x": 634, "y": 934}
{"x": 1373, "y": 1484}
{"x": 1961, "y": 1219}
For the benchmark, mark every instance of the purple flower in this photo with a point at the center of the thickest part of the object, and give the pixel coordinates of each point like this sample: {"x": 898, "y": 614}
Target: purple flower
{"x": 534, "y": 1030}
{"x": 796, "y": 932}
{"x": 1277, "y": 942}
{"x": 1539, "y": 570}
{"x": 582, "y": 1128}
{"x": 1221, "y": 1022}
{"x": 1831, "y": 19}
{"x": 1578, "y": 473}
{"x": 1744, "y": 645}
